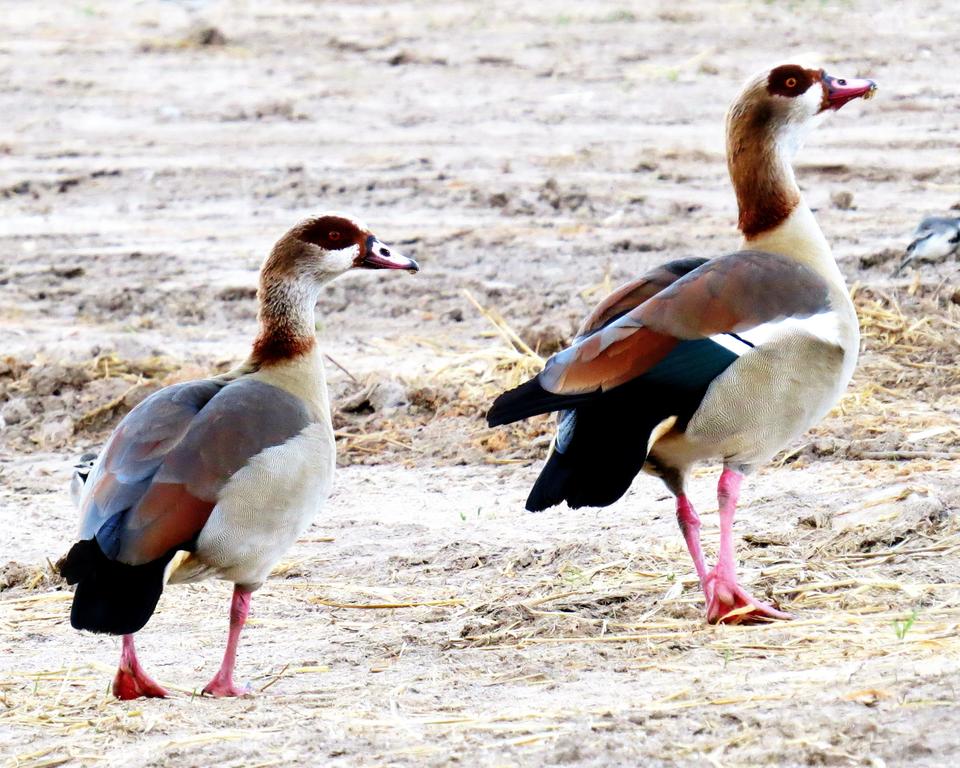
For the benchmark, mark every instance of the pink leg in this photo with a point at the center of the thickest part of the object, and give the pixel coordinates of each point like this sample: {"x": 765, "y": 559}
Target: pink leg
{"x": 690, "y": 528}
{"x": 724, "y": 595}
{"x": 131, "y": 682}
{"x": 222, "y": 683}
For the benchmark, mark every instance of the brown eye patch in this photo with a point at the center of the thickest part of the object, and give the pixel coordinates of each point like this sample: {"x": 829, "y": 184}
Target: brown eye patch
{"x": 789, "y": 80}
{"x": 332, "y": 233}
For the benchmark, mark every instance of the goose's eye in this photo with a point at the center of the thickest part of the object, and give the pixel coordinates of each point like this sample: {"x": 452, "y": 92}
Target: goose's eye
{"x": 791, "y": 82}
{"x": 333, "y": 235}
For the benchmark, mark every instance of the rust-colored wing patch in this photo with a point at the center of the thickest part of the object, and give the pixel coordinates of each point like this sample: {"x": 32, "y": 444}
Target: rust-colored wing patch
{"x": 167, "y": 515}
{"x": 730, "y": 294}
{"x": 164, "y": 467}
{"x": 734, "y": 293}
{"x": 610, "y": 357}
{"x": 633, "y": 294}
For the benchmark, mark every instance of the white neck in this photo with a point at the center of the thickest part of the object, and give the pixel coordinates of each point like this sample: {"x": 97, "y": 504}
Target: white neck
{"x": 289, "y": 306}
{"x": 303, "y": 376}
{"x": 285, "y": 352}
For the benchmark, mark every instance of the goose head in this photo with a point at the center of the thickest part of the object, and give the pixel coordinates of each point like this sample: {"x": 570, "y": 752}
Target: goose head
{"x": 782, "y": 104}
{"x": 311, "y": 254}
{"x": 766, "y": 125}
{"x": 323, "y": 247}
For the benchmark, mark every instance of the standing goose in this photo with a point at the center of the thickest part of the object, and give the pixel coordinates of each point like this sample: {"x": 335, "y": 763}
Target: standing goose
{"x": 728, "y": 359}
{"x": 230, "y": 469}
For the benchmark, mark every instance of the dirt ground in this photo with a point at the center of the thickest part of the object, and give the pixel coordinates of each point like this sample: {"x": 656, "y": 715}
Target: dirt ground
{"x": 532, "y": 154}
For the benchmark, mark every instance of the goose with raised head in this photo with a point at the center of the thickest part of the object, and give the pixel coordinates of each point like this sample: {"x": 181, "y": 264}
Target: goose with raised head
{"x": 727, "y": 359}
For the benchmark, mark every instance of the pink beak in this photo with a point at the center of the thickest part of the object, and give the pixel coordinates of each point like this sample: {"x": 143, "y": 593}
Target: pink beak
{"x": 838, "y": 91}
{"x": 377, "y": 256}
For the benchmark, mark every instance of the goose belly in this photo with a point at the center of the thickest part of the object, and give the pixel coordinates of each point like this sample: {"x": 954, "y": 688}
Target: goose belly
{"x": 263, "y": 509}
{"x": 767, "y": 398}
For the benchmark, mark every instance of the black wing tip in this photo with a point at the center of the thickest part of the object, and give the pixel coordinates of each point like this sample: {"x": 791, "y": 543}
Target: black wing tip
{"x": 531, "y": 399}
{"x": 518, "y": 403}
{"x": 496, "y": 416}
{"x": 79, "y": 562}
{"x": 551, "y": 486}
{"x": 111, "y": 597}
{"x": 538, "y": 505}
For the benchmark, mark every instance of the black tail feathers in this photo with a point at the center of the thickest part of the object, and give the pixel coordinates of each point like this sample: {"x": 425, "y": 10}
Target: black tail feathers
{"x": 588, "y": 475}
{"x": 530, "y": 399}
{"x": 602, "y": 458}
{"x": 111, "y": 597}
{"x": 551, "y": 486}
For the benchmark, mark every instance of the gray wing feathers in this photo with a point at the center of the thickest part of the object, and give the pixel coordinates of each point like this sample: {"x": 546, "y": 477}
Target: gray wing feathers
{"x": 247, "y": 417}
{"x": 195, "y": 435}
{"x": 136, "y": 449}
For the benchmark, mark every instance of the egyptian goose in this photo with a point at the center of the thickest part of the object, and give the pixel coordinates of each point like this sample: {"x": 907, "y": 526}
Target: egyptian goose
{"x": 935, "y": 238}
{"x": 230, "y": 469}
{"x": 729, "y": 359}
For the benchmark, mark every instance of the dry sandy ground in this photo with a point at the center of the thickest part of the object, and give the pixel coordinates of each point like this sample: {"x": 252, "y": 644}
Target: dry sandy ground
{"x": 531, "y": 153}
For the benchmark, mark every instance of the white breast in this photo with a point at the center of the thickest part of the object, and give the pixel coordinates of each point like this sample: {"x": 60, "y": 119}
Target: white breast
{"x": 265, "y": 507}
